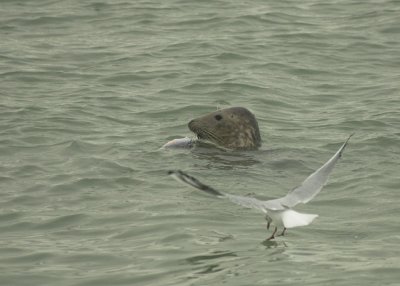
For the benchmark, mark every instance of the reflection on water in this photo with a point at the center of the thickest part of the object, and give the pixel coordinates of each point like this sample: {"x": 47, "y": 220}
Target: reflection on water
{"x": 274, "y": 244}
{"x": 224, "y": 159}
{"x": 209, "y": 261}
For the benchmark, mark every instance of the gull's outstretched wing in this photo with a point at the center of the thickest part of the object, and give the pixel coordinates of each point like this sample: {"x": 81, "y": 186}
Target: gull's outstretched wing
{"x": 302, "y": 194}
{"x": 247, "y": 202}
{"x": 313, "y": 184}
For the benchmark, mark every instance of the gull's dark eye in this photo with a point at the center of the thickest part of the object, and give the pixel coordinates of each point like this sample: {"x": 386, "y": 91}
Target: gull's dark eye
{"x": 218, "y": 117}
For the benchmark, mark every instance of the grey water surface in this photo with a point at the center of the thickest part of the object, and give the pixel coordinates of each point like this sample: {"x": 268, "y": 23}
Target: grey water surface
{"x": 90, "y": 90}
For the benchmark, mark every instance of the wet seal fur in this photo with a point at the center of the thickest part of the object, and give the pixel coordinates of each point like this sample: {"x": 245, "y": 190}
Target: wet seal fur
{"x": 232, "y": 128}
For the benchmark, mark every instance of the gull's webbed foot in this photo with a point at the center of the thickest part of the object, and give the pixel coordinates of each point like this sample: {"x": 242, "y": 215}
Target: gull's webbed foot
{"x": 283, "y": 232}
{"x": 273, "y": 234}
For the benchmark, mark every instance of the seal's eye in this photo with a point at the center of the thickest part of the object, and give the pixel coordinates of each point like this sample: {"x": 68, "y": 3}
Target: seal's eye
{"x": 218, "y": 117}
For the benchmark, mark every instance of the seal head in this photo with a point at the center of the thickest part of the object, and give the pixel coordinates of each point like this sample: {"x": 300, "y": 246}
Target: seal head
{"x": 232, "y": 128}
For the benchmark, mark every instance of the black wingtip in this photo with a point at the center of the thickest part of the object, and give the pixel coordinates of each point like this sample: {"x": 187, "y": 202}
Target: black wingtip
{"x": 345, "y": 144}
{"x": 187, "y": 179}
{"x": 348, "y": 138}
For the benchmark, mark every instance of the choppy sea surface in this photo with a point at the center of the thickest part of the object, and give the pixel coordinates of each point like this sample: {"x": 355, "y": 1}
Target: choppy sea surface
{"x": 90, "y": 90}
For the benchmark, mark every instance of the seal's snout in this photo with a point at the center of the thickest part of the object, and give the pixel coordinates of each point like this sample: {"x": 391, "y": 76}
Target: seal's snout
{"x": 194, "y": 127}
{"x": 191, "y": 124}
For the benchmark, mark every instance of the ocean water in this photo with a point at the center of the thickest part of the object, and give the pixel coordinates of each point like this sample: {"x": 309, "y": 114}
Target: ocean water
{"x": 90, "y": 90}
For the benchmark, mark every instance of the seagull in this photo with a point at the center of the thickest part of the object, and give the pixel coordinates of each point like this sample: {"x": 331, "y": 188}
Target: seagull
{"x": 279, "y": 212}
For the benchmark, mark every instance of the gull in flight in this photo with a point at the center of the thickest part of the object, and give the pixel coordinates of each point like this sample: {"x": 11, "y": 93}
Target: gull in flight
{"x": 279, "y": 212}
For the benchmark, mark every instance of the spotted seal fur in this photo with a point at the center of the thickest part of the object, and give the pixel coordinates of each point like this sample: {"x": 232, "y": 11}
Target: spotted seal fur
{"x": 232, "y": 128}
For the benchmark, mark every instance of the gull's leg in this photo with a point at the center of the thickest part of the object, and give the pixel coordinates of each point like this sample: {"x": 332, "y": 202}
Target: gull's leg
{"x": 273, "y": 234}
{"x": 283, "y": 232}
{"x": 269, "y": 220}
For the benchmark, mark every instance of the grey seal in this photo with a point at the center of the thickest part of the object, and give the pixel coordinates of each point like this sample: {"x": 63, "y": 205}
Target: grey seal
{"x": 232, "y": 128}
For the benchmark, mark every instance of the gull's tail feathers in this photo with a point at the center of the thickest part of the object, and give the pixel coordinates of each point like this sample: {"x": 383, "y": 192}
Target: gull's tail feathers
{"x": 291, "y": 218}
